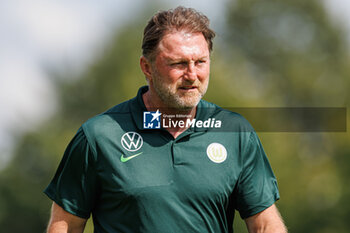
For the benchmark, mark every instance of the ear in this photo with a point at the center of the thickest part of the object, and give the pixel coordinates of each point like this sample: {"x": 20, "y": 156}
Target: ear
{"x": 146, "y": 67}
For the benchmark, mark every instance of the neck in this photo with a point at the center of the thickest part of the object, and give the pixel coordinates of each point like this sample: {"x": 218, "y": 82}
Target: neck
{"x": 172, "y": 114}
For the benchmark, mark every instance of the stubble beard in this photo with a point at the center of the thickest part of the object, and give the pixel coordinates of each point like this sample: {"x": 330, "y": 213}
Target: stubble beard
{"x": 170, "y": 96}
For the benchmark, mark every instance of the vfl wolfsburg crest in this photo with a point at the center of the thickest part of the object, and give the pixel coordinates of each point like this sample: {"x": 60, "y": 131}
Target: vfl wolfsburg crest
{"x": 216, "y": 152}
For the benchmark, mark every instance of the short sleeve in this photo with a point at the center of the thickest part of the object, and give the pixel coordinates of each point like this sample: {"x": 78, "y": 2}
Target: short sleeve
{"x": 257, "y": 186}
{"x": 74, "y": 184}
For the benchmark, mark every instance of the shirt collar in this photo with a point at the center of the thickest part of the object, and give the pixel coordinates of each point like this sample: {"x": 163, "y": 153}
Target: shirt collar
{"x": 204, "y": 111}
{"x": 137, "y": 107}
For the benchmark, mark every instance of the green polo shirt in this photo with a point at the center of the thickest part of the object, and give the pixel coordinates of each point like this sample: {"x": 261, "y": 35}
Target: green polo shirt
{"x": 133, "y": 179}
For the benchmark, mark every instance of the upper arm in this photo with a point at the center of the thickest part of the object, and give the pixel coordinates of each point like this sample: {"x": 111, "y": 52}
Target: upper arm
{"x": 268, "y": 220}
{"x": 256, "y": 187}
{"x": 63, "y": 222}
{"x": 74, "y": 186}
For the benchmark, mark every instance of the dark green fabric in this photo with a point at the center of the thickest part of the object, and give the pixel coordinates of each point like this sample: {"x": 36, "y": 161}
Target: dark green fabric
{"x": 172, "y": 186}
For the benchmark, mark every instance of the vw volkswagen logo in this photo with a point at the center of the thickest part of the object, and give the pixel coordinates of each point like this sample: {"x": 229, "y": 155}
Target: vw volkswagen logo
{"x": 131, "y": 141}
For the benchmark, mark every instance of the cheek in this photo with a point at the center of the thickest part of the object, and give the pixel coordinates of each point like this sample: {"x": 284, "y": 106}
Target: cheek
{"x": 203, "y": 74}
{"x": 174, "y": 74}
{"x": 166, "y": 72}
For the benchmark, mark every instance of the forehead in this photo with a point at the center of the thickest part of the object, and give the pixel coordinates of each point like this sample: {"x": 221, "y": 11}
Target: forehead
{"x": 180, "y": 45}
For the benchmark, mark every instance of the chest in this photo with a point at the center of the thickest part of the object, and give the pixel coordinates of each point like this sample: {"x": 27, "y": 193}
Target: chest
{"x": 203, "y": 166}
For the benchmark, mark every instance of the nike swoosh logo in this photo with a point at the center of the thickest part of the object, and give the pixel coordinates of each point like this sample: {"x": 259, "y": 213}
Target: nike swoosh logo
{"x": 123, "y": 159}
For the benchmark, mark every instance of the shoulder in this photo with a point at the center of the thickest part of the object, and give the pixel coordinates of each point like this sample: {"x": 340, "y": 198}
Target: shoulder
{"x": 108, "y": 121}
{"x": 231, "y": 121}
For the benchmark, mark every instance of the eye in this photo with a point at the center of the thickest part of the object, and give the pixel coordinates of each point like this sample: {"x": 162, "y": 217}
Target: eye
{"x": 181, "y": 63}
{"x": 201, "y": 61}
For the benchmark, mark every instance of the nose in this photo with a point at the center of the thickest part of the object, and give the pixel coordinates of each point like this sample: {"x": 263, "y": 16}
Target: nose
{"x": 191, "y": 73}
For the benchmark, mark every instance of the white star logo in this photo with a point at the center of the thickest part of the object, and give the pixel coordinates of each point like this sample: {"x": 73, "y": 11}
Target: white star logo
{"x": 155, "y": 115}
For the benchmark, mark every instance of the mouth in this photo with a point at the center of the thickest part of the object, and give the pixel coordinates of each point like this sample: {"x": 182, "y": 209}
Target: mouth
{"x": 188, "y": 88}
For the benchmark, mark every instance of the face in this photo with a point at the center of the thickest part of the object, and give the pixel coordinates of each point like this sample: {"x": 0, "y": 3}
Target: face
{"x": 180, "y": 70}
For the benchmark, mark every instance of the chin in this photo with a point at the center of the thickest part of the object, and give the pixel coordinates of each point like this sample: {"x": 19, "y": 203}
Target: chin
{"x": 187, "y": 104}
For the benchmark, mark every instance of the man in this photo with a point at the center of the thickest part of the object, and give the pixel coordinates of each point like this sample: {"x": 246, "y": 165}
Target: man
{"x": 134, "y": 176}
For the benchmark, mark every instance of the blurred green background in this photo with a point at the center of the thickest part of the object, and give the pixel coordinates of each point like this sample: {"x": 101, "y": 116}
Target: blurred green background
{"x": 267, "y": 53}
